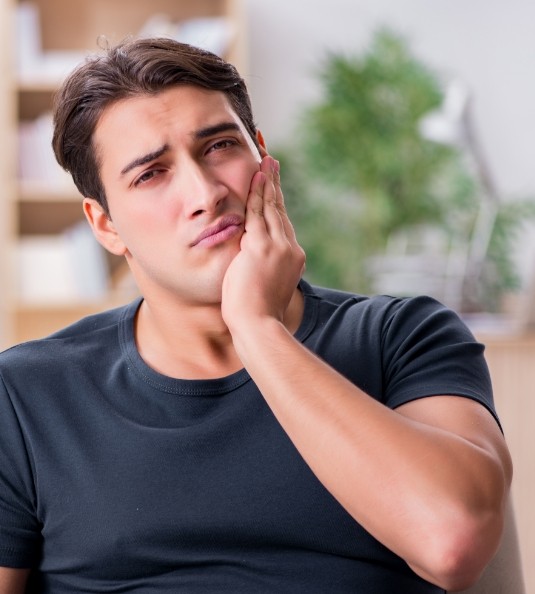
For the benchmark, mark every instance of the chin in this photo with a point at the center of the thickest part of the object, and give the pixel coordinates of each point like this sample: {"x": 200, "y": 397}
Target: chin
{"x": 209, "y": 290}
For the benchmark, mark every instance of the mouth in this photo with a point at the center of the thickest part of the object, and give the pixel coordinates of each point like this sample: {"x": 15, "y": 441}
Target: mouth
{"x": 223, "y": 230}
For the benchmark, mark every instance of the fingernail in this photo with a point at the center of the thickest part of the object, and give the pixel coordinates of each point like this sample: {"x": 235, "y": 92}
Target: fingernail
{"x": 276, "y": 167}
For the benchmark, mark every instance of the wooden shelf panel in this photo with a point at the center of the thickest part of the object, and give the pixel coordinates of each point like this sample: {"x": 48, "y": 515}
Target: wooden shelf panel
{"x": 48, "y": 217}
{"x": 113, "y": 20}
{"x": 34, "y": 99}
{"x": 31, "y": 322}
{"x": 43, "y": 192}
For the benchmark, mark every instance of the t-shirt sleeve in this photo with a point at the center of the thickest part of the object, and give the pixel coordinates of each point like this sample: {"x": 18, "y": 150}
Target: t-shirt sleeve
{"x": 19, "y": 528}
{"x": 428, "y": 351}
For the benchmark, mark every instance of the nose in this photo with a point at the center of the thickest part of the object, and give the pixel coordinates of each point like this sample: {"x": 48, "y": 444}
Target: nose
{"x": 203, "y": 192}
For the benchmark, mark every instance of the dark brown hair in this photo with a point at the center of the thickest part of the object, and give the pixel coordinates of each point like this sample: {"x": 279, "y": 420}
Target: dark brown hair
{"x": 134, "y": 67}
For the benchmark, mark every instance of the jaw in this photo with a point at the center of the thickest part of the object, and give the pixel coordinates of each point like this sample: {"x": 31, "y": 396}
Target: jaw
{"x": 199, "y": 283}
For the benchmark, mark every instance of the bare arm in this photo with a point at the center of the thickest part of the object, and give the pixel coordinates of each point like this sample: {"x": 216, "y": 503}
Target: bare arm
{"x": 13, "y": 581}
{"x": 440, "y": 465}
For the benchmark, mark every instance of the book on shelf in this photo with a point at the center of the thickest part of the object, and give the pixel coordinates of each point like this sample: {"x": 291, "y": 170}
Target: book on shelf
{"x": 39, "y": 67}
{"x": 36, "y": 161}
{"x": 35, "y": 66}
{"x": 214, "y": 34}
{"x": 67, "y": 268}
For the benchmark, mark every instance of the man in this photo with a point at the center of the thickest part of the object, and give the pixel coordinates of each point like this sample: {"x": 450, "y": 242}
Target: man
{"x": 235, "y": 429}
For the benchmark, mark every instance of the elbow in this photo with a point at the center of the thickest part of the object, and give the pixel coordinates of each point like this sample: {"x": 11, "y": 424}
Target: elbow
{"x": 458, "y": 569}
{"x": 466, "y": 542}
{"x": 457, "y": 557}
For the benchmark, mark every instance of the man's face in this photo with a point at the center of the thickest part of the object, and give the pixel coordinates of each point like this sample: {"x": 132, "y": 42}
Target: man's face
{"x": 176, "y": 168}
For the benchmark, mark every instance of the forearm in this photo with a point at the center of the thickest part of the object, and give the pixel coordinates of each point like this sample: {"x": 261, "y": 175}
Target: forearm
{"x": 432, "y": 482}
{"x": 427, "y": 481}
{"x": 13, "y": 581}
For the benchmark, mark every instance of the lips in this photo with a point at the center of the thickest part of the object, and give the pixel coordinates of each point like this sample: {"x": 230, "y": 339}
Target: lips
{"x": 225, "y": 228}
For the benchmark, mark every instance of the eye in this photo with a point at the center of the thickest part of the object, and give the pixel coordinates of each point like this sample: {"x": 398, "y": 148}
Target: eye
{"x": 146, "y": 177}
{"x": 223, "y": 144}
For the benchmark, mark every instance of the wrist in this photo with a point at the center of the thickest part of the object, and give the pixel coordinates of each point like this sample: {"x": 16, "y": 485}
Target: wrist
{"x": 251, "y": 319}
{"x": 253, "y": 336}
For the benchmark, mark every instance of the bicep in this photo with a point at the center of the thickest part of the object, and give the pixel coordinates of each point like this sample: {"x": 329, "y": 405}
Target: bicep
{"x": 13, "y": 581}
{"x": 466, "y": 418}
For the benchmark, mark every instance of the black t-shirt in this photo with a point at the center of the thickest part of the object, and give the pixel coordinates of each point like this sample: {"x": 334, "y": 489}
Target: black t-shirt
{"x": 115, "y": 478}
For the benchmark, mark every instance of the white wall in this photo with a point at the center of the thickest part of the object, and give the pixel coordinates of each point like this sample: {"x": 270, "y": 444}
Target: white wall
{"x": 490, "y": 44}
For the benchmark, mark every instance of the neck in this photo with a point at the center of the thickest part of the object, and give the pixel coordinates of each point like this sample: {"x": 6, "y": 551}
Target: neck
{"x": 193, "y": 342}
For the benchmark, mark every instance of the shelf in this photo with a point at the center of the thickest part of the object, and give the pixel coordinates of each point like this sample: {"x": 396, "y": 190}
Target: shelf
{"x": 47, "y": 217}
{"x": 44, "y": 206}
{"x": 34, "y": 321}
{"x": 33, "y": 191}
{"x": 35, "y": 86}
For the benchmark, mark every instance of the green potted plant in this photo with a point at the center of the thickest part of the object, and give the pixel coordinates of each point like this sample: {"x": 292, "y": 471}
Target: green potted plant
{"x": 363, "y": 172}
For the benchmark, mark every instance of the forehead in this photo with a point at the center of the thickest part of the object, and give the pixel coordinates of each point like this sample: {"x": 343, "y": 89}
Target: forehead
{"x": 139, "y": 124}
{"x": 178, "y": 118}
{"x": 184, "y": 105}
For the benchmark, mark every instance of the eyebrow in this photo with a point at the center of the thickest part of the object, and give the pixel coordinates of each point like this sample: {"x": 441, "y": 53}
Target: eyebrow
{"x": 197, "y": 134}
{"x": 144, "y": 159}
{"x": 217, "y": 129}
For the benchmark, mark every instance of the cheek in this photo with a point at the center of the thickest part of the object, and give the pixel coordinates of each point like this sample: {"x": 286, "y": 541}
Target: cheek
{"x": 145, "y": 224}
{"x": 240, "y": 178}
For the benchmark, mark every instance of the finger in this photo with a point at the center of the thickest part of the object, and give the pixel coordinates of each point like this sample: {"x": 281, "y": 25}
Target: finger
{"x": 287, "y": 224}
{"x": 278, "y": 188}
{"x": 271, "y": 207}
{"x": 254, "y": 209}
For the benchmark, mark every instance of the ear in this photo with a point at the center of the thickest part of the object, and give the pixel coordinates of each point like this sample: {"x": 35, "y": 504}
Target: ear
{"x": 261, "y": 144}
{"x": 103, "y": 227}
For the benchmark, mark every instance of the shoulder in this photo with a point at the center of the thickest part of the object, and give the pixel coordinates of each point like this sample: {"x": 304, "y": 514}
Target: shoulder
{"x": 398, "y": 349}
{"x": 387, "y": 316}
{"x": 76, "y": 340}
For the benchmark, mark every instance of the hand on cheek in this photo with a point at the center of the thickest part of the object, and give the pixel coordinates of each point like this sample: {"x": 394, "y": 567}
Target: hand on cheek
{"x": 261, "y": 279}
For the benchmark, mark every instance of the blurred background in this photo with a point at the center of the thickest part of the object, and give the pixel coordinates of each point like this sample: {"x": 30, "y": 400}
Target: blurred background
{"x": 348, "y": 84}
{"x": 404, "y": 130}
